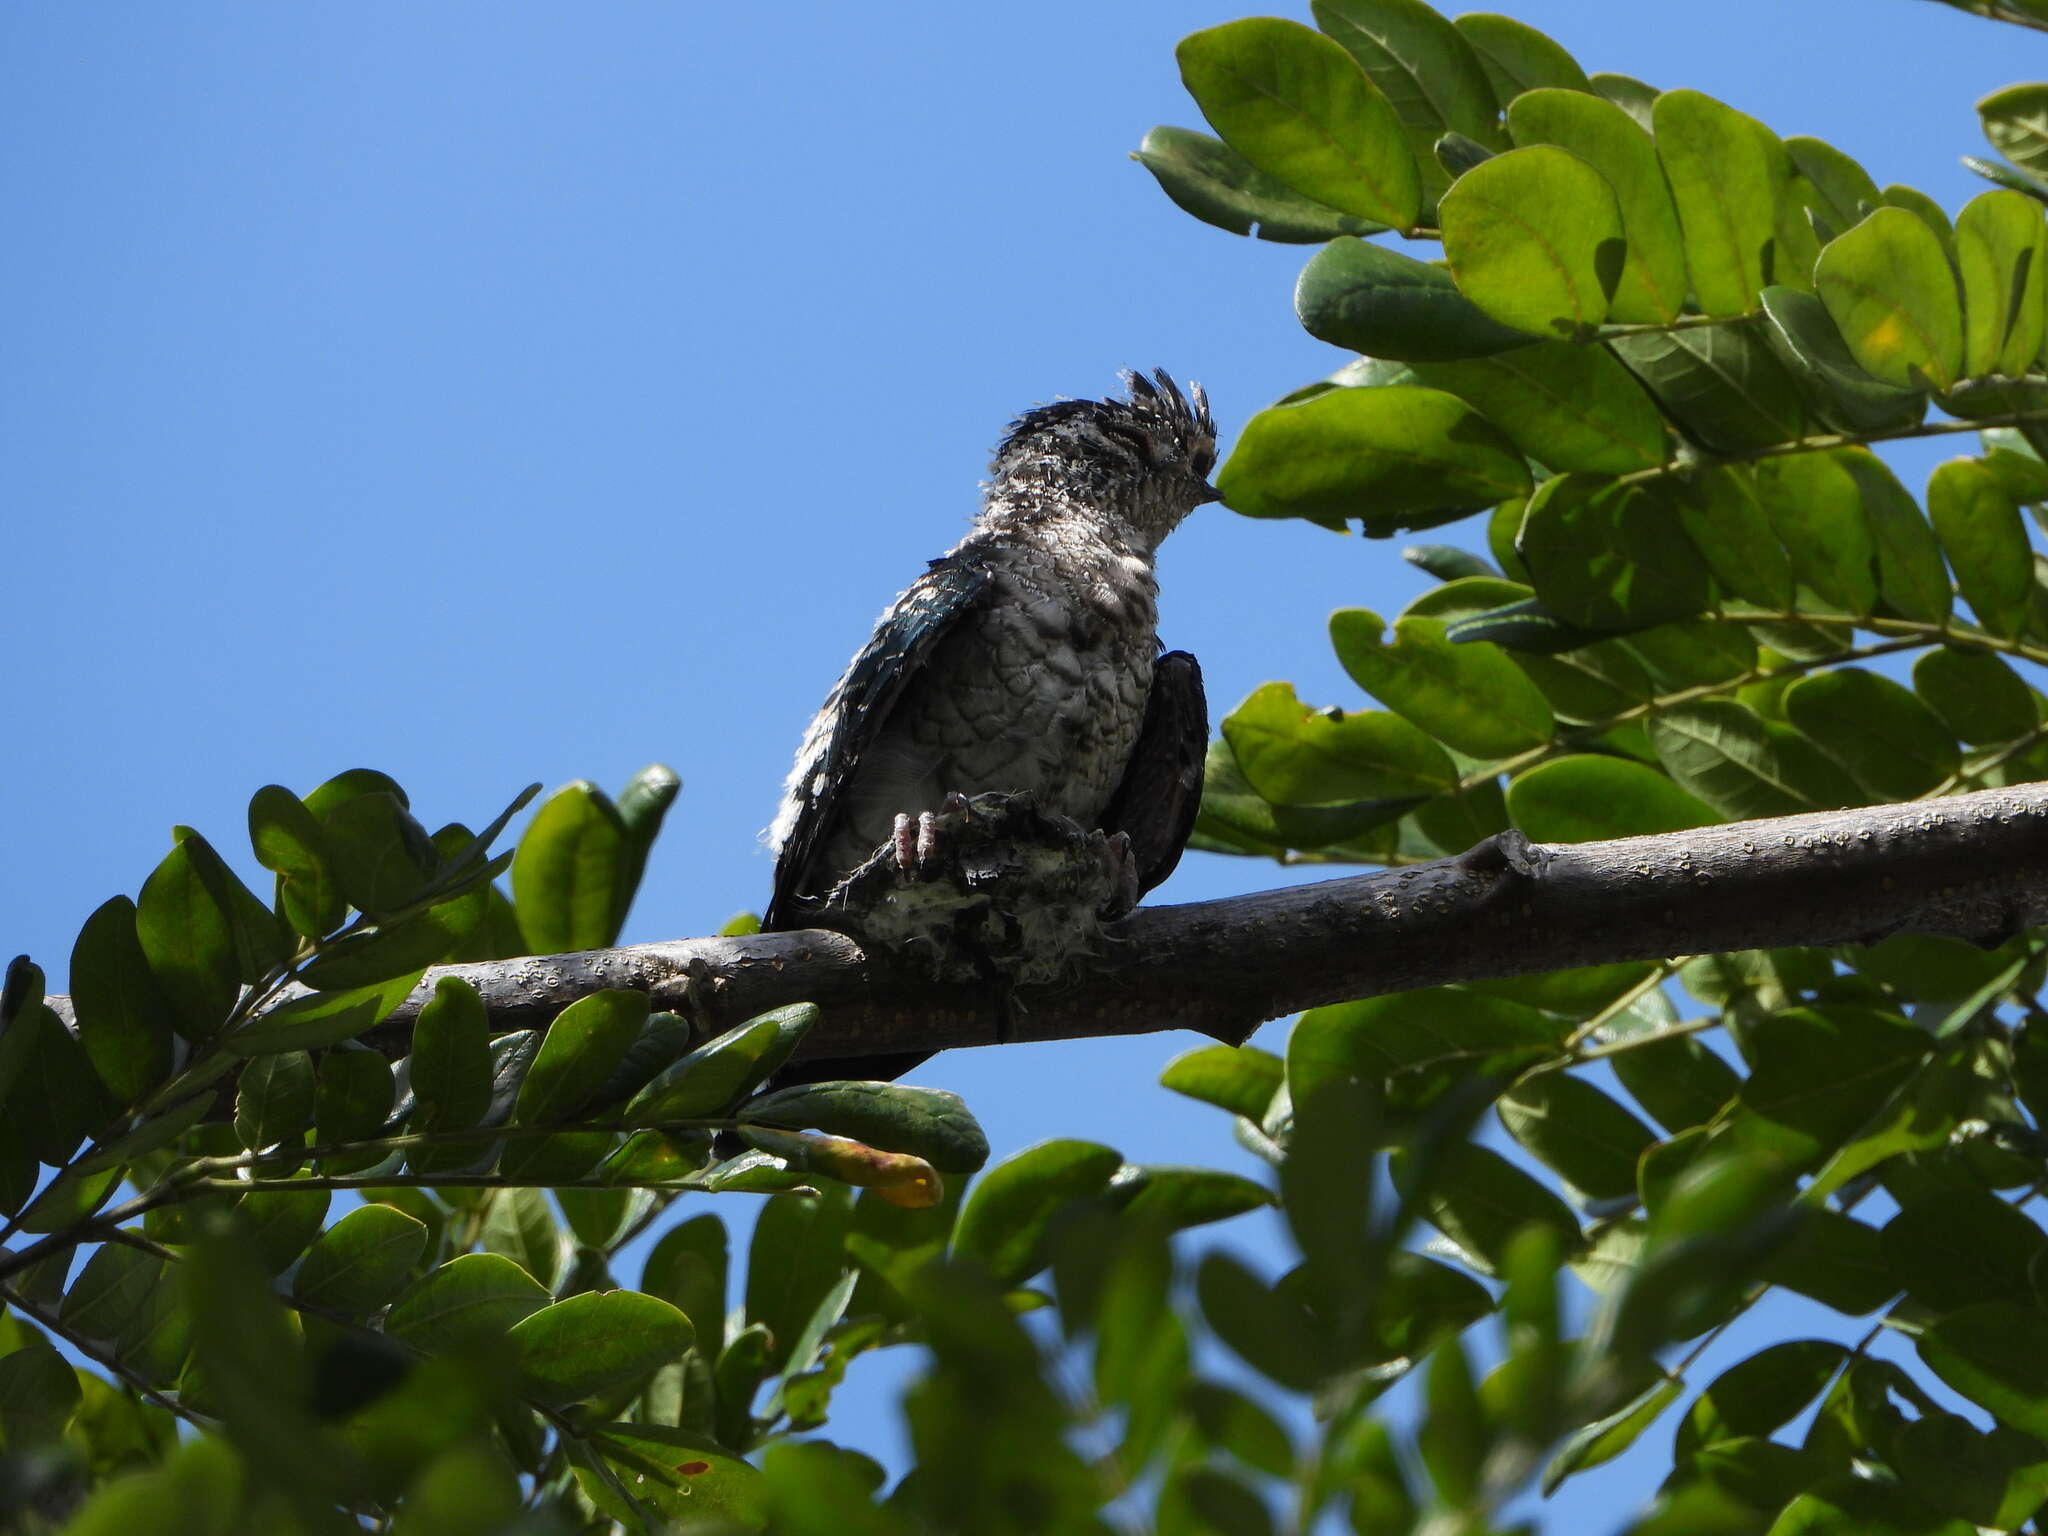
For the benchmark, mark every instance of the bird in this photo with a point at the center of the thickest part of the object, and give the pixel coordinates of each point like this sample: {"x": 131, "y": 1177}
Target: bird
{"x": 1025, "y": 661}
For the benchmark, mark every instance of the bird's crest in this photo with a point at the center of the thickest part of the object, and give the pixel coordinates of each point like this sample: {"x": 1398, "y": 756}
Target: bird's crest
{"x": 1155, "y": 403}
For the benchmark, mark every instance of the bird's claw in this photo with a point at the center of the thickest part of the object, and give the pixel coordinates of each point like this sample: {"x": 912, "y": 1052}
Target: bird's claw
{"x": 1121, "y": 862}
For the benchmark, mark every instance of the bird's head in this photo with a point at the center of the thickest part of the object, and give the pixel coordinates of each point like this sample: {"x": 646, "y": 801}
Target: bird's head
{"x": 1144, "y": 460}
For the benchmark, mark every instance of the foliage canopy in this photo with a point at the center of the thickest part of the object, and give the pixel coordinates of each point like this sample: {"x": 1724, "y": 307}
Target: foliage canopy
{"x": 1656, "y": 354}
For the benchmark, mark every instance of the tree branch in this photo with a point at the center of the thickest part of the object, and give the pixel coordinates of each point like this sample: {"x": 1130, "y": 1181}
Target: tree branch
{"x": 1969, "y": 866}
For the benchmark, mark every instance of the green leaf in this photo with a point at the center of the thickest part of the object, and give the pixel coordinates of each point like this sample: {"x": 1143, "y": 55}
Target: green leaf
{"x": 1236, "y": 819}
{"x": 1821, "y": 1074}
{"x": 467, "y": 1301}
{"x": 1836, "y": 1261}
{"x": 382, "y": 858}
{"x": 2008, "y": 176}
{"x": 69, "y": 1198}
{"x": 289, "y": 842}
{"x": 643, "y": 806}
{"x": 582, "y": 1046}
{"x": 1300, "y": 109}
{"x": 1611, "y": 556}
{"x": 1569, "y": 407}
{"x": 1720, "y": 513}
{"x": 1996, "y": 1354}
{"x": 1795, "y": 239}
{"x": 1334, "y": 1128}
{"x": 279, "y": 1223}
{"x": 1998, "y": 1479}
{"x": 1678, "y": 1080}
{"x": 1448, "y": 564}
{"x": 1268, "y": 1330}
{"x": 2015, "y": 120}
{"x": 1804, "y": 338}
{"x": 679, "y": 1476}
{"x": 1720, "y": 384}
{"x": 595, "y": 1342}
{"x": 719, "y": 1073}
{"x": 1961, "y": 1247}
{"x": 1534, "y": 238}
{"x": 2001, "y": 245}
{"x": 57, "y": 1099}
{"x": 1010, "y": 1212}
{"x": 1425, "y": 69}
{"x": 1239, "y": 1078}
{"x": 929, "y": 1123}
{"x": 687, "y": 1268}
{"x": 122, "y": 1297}
{"x": 320, "y": 1019}
{"x": 1911, "y": 579}
{"x": 260, "y": 942}
{"x": 274, "y": 1100}
{"x": 1721, "y": 181}
{"x": 1236, "y": 1423}
{"x": 1471, "y": 697}
{"x": 1480, "y": 1201}
{"x": 1607, "y": 1437}
{"x": 568, "y": 876}
{"x": 39, "y": 1392}
{"x": 1517, "y": 57}
{"x": 1385, "y": 304}
{"x": 1976, "y": 693}
{"x": 1578, "y": 1132}
{"x": 350, "y": 784}
{"x": 1583, "y": 798}
{"x": 1819, "y": 506}
{"x": 1719, "y": 750}
{"x": 1652, "y": 287}
{"x": 1875, "y": 728}
{"x": 518, "y": 1226}
{"x": 450, "y": 1066}
{"x": 362, "y": 1261}
{"x": 1980, "y": 530}
{"x": 1212, "y": 181}
{"x": 1831, "y": 182}
{"x": 1454, "y": 1436}
{"x": 351, "y": 1101}
{"x": 796, "y": 1259}
{"x": 1888, "y": 285}
{"x": 1173, "y": 1199}
{"x": 1397, "y": 458}
{"x": 125, "y": 1021}
{"x": 185, "y": 932}
{"x": 392, "y": 949}
{"x": 1760, "y": 1394}
{"x": 1293, "y": 755}
{"x": 2009, "y": 455}
{"x": 149, "y": 1134}
{"x": 1383, "y": 1035}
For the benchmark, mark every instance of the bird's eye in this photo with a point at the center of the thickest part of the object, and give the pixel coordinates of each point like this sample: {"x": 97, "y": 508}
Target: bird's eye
{"x": 1203, "y": 461}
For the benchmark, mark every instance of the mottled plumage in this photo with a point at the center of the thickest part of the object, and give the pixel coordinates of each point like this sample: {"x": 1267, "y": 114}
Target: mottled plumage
{"x": 1024, "y": 659}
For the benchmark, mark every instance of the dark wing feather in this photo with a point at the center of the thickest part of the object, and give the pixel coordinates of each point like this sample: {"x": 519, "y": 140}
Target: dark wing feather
{"x": 1155, "y": 804}
{"x": 859, "y": 706}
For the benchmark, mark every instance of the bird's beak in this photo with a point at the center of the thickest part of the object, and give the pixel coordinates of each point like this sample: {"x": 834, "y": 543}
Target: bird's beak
{"x": 1209, "y": 493}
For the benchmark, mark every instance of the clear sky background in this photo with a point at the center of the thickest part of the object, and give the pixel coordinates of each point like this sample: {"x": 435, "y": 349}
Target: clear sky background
{"x": 489, "y": 393}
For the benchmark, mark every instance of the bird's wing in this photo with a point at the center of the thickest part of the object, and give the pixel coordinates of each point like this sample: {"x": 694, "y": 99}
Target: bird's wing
{"x": 1155, "y": 804}
{"x": 855, "y": 713}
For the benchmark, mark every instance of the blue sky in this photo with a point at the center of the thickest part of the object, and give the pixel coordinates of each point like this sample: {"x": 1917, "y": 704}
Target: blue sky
{"x": 490, "y": 393}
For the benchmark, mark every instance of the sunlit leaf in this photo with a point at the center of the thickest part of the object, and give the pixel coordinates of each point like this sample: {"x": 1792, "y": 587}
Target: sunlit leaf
{"x": 1300, "y": 109}
{"x": 1394, "y": 458}
{"x": 1534, "y": 238}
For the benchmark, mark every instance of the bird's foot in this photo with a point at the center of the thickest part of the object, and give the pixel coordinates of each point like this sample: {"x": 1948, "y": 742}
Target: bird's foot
{"x": 989, "y": 886}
